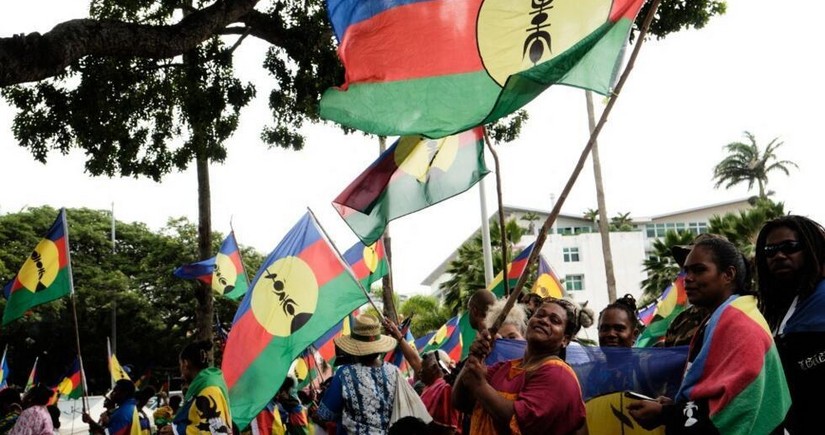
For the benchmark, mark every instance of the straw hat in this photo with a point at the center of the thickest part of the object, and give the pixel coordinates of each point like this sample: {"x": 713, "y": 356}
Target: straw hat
{"x": 366, "y": 338}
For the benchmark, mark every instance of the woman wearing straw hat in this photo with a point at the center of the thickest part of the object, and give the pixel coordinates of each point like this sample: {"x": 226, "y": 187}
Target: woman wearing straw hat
{"x": 362, "y": 395}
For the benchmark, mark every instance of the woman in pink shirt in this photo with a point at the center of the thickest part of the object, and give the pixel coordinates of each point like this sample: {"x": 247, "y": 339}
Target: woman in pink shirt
{"x": 35, "y": 418}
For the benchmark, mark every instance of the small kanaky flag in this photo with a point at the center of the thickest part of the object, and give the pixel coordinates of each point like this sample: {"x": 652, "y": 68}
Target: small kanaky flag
{"x": 115, "y": 368}
{"x": 46, "y": 274}
{"x": 224, "y": 272}
{"x": 72, "y": 384}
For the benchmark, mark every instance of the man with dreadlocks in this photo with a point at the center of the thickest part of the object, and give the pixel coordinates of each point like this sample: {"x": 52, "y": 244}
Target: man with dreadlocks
{"x": 790, "y": 252}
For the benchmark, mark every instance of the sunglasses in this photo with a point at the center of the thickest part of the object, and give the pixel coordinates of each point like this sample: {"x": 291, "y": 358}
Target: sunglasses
{"x": 787, "y": 247}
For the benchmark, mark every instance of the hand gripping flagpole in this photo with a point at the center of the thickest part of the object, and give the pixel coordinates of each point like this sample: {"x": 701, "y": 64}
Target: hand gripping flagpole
{"x": 542, "y": 236}
{"x": 345, "y": 264}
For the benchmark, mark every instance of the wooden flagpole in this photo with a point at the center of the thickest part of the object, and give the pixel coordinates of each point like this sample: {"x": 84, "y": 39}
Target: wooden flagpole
{"x": 504, "y": 248}
{"x": 542, "y": 236}
{"x": 344, "y": 262}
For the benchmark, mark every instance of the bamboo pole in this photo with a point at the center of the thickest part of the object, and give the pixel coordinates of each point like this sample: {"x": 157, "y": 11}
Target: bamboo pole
{"x": 542, "y": 236}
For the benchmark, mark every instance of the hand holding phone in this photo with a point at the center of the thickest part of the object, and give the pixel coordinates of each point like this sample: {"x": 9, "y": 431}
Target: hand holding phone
{"x": 637, "y": 396}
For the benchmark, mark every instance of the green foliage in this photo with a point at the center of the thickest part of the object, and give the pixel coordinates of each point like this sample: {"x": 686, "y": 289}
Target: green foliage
{"x": 621, "y": 222}
{"x": 660, "y": 267}
{"x": 155, "y": 310}
{"x": 676, "y": 15}
{"x": 740, "y": 228}
{"x": 747, "y": 162}
{"x": 428, "y": 314}
{"x": 467, "y": 269}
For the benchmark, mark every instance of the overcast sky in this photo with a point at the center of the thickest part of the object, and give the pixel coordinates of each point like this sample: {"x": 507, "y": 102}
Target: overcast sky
{"x": 757, "y": 68}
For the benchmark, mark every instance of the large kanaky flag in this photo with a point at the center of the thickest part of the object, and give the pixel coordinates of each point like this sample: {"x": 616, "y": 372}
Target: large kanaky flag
{"x": 437, "y": 67}
{"x": 46, "y": 274}
{"x": 413, "y": 174}
{"x": 224, "y": 272}
{"x": 301, "y": 291}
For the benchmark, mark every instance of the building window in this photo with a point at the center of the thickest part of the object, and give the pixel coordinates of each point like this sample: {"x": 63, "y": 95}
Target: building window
{"x": 659, "y": 230}
{"x": 569, "y": 231}
{"x": 574, "y": 282}
{"x": 571, "y": 255}
{"x": 698, "y": 227}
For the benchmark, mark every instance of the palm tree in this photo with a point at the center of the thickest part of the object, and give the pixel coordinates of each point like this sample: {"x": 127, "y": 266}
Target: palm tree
{"x": 467, "y": 269}
{"x": 621, "y": 222}
{"x": 591, "y": 214}
{"x": 746, "y": 162}
{"x": 661, "y": 267}
{"x": 743, "y": 227}
{"x": 428, "y": 314}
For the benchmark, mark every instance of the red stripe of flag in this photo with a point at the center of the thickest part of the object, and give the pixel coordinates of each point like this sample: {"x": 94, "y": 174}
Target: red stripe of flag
{"x": 418, "y": 40}
{"x": 325, "y": 264}
{"x": 245, "y": 349}
{"x": 627, "y": 9}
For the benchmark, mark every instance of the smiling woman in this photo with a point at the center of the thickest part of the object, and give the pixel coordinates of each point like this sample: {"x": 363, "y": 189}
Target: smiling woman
{"x": 511, "y": 396}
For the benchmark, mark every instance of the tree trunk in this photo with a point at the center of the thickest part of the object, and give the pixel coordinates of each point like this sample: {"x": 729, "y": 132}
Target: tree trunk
{"x": 604, "y": 228}
{"x": 204, "y": 314}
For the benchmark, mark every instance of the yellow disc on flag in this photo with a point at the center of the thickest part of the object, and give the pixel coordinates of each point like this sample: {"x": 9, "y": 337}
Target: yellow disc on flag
{"x": 301, "y": 370}
{"x": 370, "y": 257}
{"x": 41, "y": 268}
{"x": 514, "y": 36}
{"x": 285, "y": 296}
{"x": 415, "y": 155}
{"x": 224, "y": 275}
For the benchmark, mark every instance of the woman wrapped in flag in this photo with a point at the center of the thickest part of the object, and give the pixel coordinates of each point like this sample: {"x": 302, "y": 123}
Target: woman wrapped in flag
{"x": 733, "y": 383}
{"x": 536, "y": 394}
{"x": 790, "y": 262}
{"x": 205, "y": 407}
{"x": 124, "y": 420}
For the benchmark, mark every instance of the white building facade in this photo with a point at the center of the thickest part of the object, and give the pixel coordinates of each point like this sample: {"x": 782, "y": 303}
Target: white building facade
{"x": 574, "y": 250}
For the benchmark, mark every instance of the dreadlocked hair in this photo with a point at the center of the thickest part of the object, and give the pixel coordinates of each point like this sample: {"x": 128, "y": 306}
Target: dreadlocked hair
{"x": 626, "y": 303}
{"x": 774, "y": 300}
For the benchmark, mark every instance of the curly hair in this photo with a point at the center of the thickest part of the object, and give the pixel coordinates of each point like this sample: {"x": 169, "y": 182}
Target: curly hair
{"x": 578, "y": 316}
{"x": 774, "y": 300}
{"x": 626, "y": 303}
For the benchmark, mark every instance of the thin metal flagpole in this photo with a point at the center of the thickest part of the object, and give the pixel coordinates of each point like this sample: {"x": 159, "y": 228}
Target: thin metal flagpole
{"x": 344, "y": 263}
{"x": 542, "y": 236}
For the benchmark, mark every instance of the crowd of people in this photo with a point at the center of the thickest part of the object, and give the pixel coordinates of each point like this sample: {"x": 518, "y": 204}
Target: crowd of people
{"x": 755, "y": 363}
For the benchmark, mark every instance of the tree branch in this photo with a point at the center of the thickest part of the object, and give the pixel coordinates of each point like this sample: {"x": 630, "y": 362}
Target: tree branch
{"x": 33, "y": 57}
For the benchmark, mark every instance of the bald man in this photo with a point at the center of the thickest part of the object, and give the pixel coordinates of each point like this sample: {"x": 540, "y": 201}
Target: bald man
{"x": 477, "y": 307}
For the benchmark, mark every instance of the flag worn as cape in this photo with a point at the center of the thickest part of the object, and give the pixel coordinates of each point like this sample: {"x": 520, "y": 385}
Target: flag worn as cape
{"x": 672, "y": 302}
{"x": 514, "y": 271}
{"x": 4, "y": 370}
{"x": 301, "y": 291}
{"x": 224, "y": 272}
{"x": 413, "y": 174}
{"x": 737, "y": 374}
{"x": 368, "y": 263}
{"x": 448, "y": 339}
{"x": 46, "y": 274}
{"x": 71, "y": 385}
{"x": 547, "y": 284}
{"x": 436, "y": 67}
